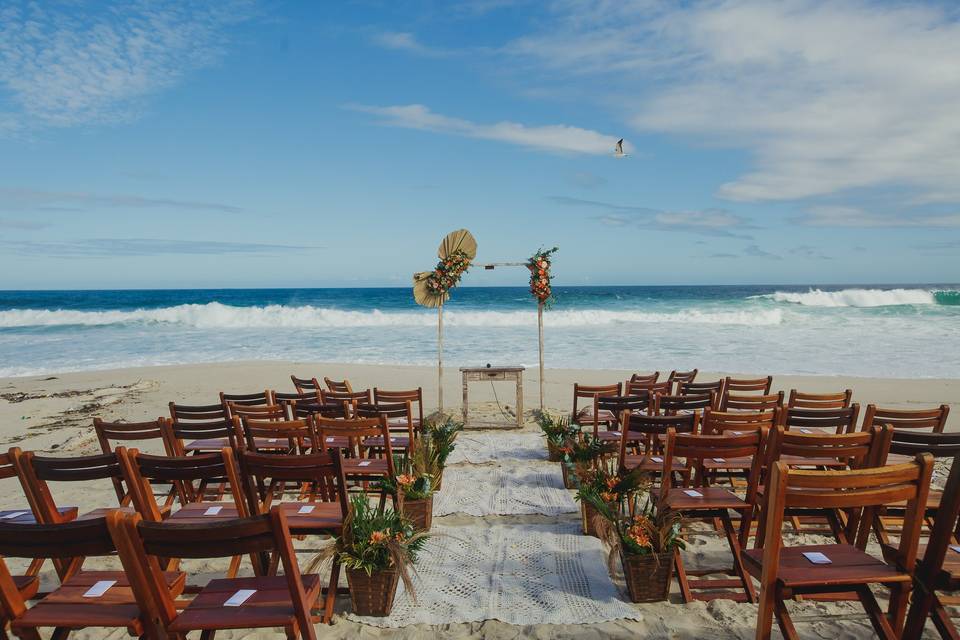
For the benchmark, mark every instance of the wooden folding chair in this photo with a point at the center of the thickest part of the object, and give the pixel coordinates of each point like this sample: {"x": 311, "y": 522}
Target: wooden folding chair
{"x": 645, "y": 389}
{"x": 700, "y": 388}
{"x": 645, "y": 378}
{"x": 362, "y": 463}
{"x": 306, "y": 385}
{"x": 741, "y": 386}
{"x": 277, "y": 436}
{"x": 679, "y": 377}
{"x": 786, "y": 572}
{"x": 350, "y": 398}
{"x": 400, "y": 420}
{"x": 198, "y": 428}
{"x": 320, "y": 508}
{"x": 286, "y": 400}
{"x": 938, "y": 566}
{"x": 806, "y": 420}
{"x": 586, "y": 416}
{"x": 255, "y": 399}
{"x": 735, "y": 423}
{"x": 934, "y": 420}
{"x": 338, "y": 386}
{"x": 642, "y": 439}
{"x": 126, "y": 432}
{"x": 72, "y": 605}
{"x": 668, "y": 405}
{"x": 415, "y": 396}
{"x": 840, "y": 400}
{"x": 615, "y": 406}
{"x": 257, "y": 411}
{"x": 732, "y": 402}
{"x": 715, "y": 504}
{"x": 271, "y": 601}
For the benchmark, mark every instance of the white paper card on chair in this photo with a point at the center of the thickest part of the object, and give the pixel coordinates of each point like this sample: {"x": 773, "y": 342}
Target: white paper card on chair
{"x": 365, "y": 463}
{"x": 13, "y": 514}
{"x": 99, "y": 588}
{"x": 272, "y": 440}
{"x": 307, "y": 508}
{"x": 239, "y": 597}
{"x": 330, "y": 439}
{"x": 212, "y": 511}
{"x": 955, "y": 547}
{"x": 693, "y": 493}
{"x": 816, "y": 557}
{"x": 805, "y": 431}
{"x": 719, "y": 459}
{"x": 658, "y": 459}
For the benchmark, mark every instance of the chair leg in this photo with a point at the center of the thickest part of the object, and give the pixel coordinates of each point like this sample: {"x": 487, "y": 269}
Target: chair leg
{"x": 685, "y": 594}
{"x": 784, "y": 621}
{"x": 331, "y": 591}
{"x": 765, "y": 612}
{"x": 60, "y": 633}
{"x": 234, "y": 567}
{"x": 943, "y": 623}
{"x": 926, "y": 604}
{"x": 897, "y": 608}
{"x": 208, "y": 634}
{"x": 877, "y": 618}
{"x": 734, "y": 543}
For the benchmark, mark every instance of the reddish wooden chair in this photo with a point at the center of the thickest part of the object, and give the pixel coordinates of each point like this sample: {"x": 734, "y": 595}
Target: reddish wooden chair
{"x": 641, "y": 442}
{"x": 284, "y": 436}
{"x": 731, "y": 402}
{"x": 362, "y": 462}
{"x": 713, "y": 503}
{"x": 400, "y": 420}
{"x": 255, "y": 399}
{"x": 586, "y": 415}
{"x": 350, "y": 398}
{"x": 256, "y": 412}
{"x": 644, "y": 389}
{"x": 672, "y": 405}
{"x": 679, "y": 377}
{"x": 934, "y": 420}
{"x": 785, "y": 572}
{"x": 287, "y": 400}
{"x": 306, "y": 385}
{"x": 700, "y": 388}
{"x": 740, "y": 386}
{"x": 803, "y": 420}
{"x": 109, "y": 432}
{"x": 644, "y": 378}
{"x": 198, "y": 428}
{"x": 320, "y": 508}
{"x": 840, "y": 400}
{"x": 735, "y": 423}
{"x": 615, "y": 406}
{"x": 415, "y": 396}
{"x": 70, "y": 606}
{"x": 338, "y": 386}
{"x": 276, "y": 601}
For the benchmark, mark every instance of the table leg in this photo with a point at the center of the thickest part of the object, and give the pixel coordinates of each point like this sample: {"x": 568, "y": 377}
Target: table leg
{"x": 520, "y": 400}
{"x": 466, "y": 401}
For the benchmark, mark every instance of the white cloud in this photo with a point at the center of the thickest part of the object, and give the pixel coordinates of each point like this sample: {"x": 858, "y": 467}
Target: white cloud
{"x": 557, "y": 138}
{"x": 37, "y": 200}
{"x": 828, "y": 96}
{"x": 852, "y": 216}
{"x": 711, "y": 222}
{"x": 405, "y": 41}
{"x": 66, "y": 65}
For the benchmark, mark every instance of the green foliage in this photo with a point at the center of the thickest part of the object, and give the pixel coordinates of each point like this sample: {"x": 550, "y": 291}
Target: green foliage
{"x": 442, "y": 434}
{"x": 557, "y": 430}
{"x": 413, "y": 481}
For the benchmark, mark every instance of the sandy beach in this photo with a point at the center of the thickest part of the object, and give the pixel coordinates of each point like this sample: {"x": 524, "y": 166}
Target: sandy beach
{"x": 53, "y": 414}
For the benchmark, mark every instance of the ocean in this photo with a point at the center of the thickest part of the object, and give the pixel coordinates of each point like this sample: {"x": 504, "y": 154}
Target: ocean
{"x": 878, "y": 331}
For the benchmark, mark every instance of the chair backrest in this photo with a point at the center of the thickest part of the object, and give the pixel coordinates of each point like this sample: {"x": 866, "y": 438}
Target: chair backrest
{"x": 7, "y": 470}
{"x": 182, "y": 472}
{"x": 934, "y": 420}
{"x": 415, "y": 396}
{"x": 36, "y": 471}
{"x": 339, "y": 386}
{"x": 142, "y": 544}
{"x": 859, "y": 492}
{"x": 618, "y": 404}
{"x": 399, "y": 415}
{"x": 285, "y": 399}
{"x": 591, "y": 391}
{"x": 696, "y": 447}
{"x": 645, "y": 378}
{"x": 748, "y": 385}
{"x": 196, "y": 422}
{"x": 320, "y": 473}
{"x": 733, "y": 402}
{"x": 332, "y": 409}
{"x": 356, "y": 431}
{"x": 77, "y": 538}
{"x": 838, "y": 420}
{"x": 839, "y": 400}
{"x": 255, "y": 399}
{"x": 908, "y": 442}
{"x": 644, "y": 389}
{"x": 857, "y": 450}
{"x": 670, "y": 405}
{"x": 297, "y": 435}
{"x": 257, "y": 412}
{"x": 108, "y": 432}
{"x": 306, "y": 385}
{"x": 682, "y": 376}
{"x": 644, "y": 429}
{"x": 351, "y": 397}
{"x": 718, "y": 422}
{"x": 697, "y": 388}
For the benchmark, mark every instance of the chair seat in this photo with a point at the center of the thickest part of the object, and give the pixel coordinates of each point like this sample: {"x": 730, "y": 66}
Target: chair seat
{"x": 647, "y": 463}
{"x": 713, "y": 498}
{"x": 270, "y": 606}
{"x": 738, "y": 464}
{"x": 325, "y": 517}
{"x": 849, "y": 566}
{"x": 66, "y": 606}
{"x": 207, "y": 445}
{"x": 948, "y": 578}
{"x": 585, "y": 416}
{"x": 193, "y": 513}
{"x": 609, "y": 436}
{"x": 396, "y": 442}
{"x": 103, "y": 511}
{"x": 27, "y": 586}
{"x": 67, "y": 514}
{"x": 375, "y": 467}
{"x": 800, "y": 461}
{"x": 336, "y": 442}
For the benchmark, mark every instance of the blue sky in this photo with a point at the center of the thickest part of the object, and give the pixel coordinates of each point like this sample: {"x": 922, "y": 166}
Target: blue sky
{"x": 169, "y": 144}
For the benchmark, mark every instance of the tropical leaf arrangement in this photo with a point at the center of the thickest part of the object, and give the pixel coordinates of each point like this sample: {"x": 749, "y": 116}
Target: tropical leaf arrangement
{"x": 375, "y": 540}
{"x": 433, "y": 446}
{"x": 540, "y": 276}
{"x": 414, "y": 480}
{"x": 558, "y": 430}
{"x": 585, "y": 450}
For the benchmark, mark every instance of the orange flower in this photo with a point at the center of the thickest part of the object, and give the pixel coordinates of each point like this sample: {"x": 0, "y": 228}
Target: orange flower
{"x": 378, "y": 536}
{"x": 405, "y": 479}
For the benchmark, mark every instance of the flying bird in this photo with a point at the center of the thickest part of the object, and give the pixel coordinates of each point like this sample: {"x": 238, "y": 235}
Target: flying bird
{"x": 618, "y": 150}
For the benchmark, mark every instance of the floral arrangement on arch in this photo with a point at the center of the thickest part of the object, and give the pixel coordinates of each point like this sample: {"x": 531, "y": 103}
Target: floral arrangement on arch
{"x": 448, "y": 272}
{"x": 540, "y": 276}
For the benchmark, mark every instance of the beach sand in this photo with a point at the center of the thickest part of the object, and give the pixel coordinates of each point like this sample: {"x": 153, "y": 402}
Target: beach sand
{"x": 53, "y": 414}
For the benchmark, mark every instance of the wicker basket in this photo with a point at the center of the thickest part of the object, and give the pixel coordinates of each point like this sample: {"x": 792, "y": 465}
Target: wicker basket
{"x": 568, "y": 476}
{"x": 419, "y": 512}
{"x": 553, "y": 452}
{"x": 648, "y": 577}
{"x": 372, "y": 595}
{"x": 587, "y": 516}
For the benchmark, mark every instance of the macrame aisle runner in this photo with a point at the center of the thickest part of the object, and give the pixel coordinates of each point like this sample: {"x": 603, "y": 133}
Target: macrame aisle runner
{"x": 517, "y": 489}
{"x": 520, "y": 574}
{"x": 483, "y": 448}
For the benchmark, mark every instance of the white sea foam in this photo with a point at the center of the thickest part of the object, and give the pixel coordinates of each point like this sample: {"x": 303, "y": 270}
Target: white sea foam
{"x": 216, "y": 315}
{"x": 855, "y": 297}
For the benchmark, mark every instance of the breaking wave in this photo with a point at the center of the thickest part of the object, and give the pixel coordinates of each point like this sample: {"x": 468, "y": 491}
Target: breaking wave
{"x": 867, "y": 297}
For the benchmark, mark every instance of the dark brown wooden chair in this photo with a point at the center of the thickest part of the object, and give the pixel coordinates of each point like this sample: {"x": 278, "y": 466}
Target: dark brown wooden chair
{"x": 740, "y": 386}
{"x": 362, "y": 462}
{"x": 713, "y": 503}
{"x": 586, "y": 415}
{"x": 415, "y": 396}
{"x": 277, "y": 601}
{"x": 678, "y": 377}
{"x": 198, "y": 428}
{"x": 320, "y": 508}
{"x": 286, "y": 399}
{"x": 306, "y": 385}
{"x": 273, "y": 436}
{"x": 840, "y": 400}
{"x": 644, "y": 389}
{"x": 400, "y": 420}
{"x": 126, "y": 432}
{"x": 699, "y": 388}
{"x": 734, "y": 423}
{"x": 733, "y": 402}
{"x": 350, "y": 398}
{"x": 67, "y": 608}
{"x": 934, "y": 420}
{"x": 257, "y": 411}
{"x": 615, "y": 406}
{"x": 785, "y": 572}
{"x": 338, "y": 386}
{"x": 642, "y": 438}
{"x": 645, "y": 378}
{"x": 842, "y": 420}
{"x": 938, "y": 566}
{"x": 672, "y": 405}
{"x": 255, "y": 399}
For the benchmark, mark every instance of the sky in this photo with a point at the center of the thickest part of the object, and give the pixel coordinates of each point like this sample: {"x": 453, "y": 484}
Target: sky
{"x": 297, "y": 144}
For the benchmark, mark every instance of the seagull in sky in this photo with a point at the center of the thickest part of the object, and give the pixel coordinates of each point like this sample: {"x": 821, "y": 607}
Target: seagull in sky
{"x": 618, "y": 150}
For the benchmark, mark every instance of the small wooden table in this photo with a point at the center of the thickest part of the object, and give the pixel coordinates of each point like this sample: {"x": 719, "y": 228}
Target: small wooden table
{"x": 492, "y": 374}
